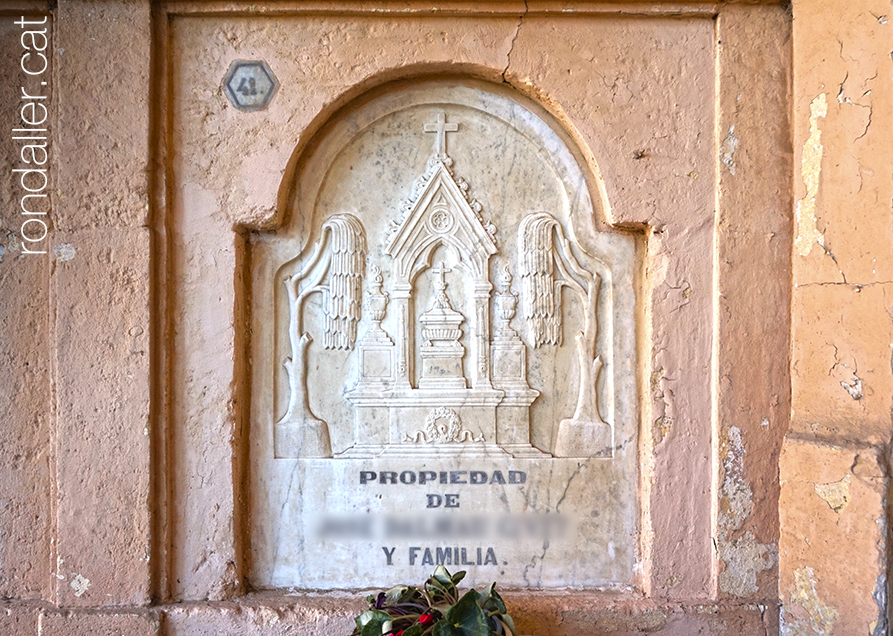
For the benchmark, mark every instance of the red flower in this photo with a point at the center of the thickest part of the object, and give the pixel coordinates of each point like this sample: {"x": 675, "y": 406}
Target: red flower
{"x": 424, "y": 619}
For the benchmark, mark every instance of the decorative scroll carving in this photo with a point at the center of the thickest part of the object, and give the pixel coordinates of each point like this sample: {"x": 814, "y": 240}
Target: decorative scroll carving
{"x": 339, "y": 253}
{"x": 443, "y": 426}
{"x": 544, "y": 249}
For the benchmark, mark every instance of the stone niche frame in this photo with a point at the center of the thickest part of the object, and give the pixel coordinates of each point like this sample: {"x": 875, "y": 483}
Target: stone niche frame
{"x": 685, "y": 108}
{"x": 372, "y": 204}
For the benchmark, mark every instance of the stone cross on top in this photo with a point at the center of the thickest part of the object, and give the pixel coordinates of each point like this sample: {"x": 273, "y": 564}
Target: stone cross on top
{"x": 441, "y": 128}
{"x": 439, "y": 272}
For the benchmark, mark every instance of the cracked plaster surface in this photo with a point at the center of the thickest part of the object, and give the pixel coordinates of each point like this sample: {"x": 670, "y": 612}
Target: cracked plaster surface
{"x": 819, "y": 618}
{"x": 836, "y": 493}
{"x": 805, "y": 221}
{"x": 743, "y": 555}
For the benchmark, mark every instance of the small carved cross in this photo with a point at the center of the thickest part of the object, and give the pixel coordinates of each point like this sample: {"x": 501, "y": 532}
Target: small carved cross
{"x": 439, "y": 271}
{"x": 441, "y": 128}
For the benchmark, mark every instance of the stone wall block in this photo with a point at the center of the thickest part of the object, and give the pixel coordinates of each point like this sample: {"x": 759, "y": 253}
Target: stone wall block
{"x": 25, "y": 478}
{"x": 842, "y": 386}
{"x": 843, "y": 104}
{"x": 101, "y": 145}
{"x": 321, "y": 616}
{"x": 102, "y": 438}
{"x": 74, "y": 623}
{"x": 754, "y": 243}
{"x": 25, "y": 370}
{"x": 18, "y": 619}
{"x": 832, "y": 551}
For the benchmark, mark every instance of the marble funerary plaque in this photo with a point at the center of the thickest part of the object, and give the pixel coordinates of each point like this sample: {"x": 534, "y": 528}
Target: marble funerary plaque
{"x": 443, "y": 354}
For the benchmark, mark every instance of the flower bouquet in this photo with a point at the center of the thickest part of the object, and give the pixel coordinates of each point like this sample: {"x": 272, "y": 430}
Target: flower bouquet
{"x": 435, "y": 609}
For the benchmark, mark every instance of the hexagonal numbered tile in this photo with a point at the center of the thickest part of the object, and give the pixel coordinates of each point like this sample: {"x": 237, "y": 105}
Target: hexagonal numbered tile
{"x": 250, "y": 84}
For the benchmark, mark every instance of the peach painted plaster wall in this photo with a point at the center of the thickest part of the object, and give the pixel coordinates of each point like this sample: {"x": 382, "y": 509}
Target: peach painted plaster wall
{"x": 834, "y": 467}
{"x": 77, "y": 550}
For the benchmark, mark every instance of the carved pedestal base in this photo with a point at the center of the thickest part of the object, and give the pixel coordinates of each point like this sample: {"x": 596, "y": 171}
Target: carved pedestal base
{"x": 583, "y": 438}
{"x": 431, "y": 451}
{"x": 307, "y": 438}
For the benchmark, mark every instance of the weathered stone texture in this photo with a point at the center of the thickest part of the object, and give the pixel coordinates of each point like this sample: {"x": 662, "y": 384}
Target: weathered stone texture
{"x": 18, "y": 619}
{"x": 753, "y": 295}
{"x": 78, "y": 358}
{"x": 842, "y": 51}
{"x": 102, "y": 434}
{"x": 834, "y": 474}
{"x": 26, "y": 400}
{"x": 627, "y": 112}
{"x": 843, "y": 247}
{"x": 72, "y": 623}
{"x": 832, "y": 550}
{"x": 101, "y": 146}
{"x": 842, "y": 383}
{"x": 262, "y": 615}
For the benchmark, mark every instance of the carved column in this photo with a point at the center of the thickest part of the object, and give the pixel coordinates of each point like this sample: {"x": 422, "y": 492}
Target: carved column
{"x": 482, "y": 335}
{"x": 402, "y": 293}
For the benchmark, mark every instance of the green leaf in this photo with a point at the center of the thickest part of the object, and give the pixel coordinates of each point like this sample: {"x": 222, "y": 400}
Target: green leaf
{"x": 442, "y": 575}
{"x": 493, "y": 602}
{"x": 508, "y": 622}
{"x": 443, "y": 628}
{"x": 371, "y": 621}
{"x": 468, "y": 616}
{"x": 458, "y": 576}
{"x": 415, "y": 630}
{"x": 394, "y": 594}
{"x": 443, "y": 608}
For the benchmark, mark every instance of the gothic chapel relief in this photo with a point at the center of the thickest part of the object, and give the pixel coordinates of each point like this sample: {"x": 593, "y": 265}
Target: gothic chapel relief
{"x": 448, "y": 268}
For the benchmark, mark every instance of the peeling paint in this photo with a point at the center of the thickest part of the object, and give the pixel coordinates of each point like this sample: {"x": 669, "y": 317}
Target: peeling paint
{"x": 64, "y": 252}
{"x": 266, "y": 617}
{"x": 727, "y": 151}
{"x": 836, "y": 493}
{"x": 80, "y": 584}
{"x": 737, "y": 493}
{"x": 12, "y": 242}
{"x": 821, "y": 617}
{"x": 743, "y": 556}
{"x": 810, "y": 169}
{"x": 664, "y": 422}
{"x": 663, "y": 425}
{"x": 854, "y": 389}
{"x": 879, "y": 627}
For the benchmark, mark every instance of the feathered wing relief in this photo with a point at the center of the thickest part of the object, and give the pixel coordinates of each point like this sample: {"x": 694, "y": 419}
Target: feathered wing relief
{"x": 345, "y": 289}
{"x": 545, "y": 248}
{"x": 542, "y": 312}
{"x": 334, "y": 269}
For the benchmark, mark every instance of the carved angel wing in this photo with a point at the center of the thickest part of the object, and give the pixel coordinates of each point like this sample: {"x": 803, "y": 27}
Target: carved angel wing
{"x": 345, "y": 289}
{"x": 540, "y": 289}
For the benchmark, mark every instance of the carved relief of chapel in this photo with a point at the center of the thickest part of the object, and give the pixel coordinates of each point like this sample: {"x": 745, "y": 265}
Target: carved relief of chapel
{"x": 448, "y": 315}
